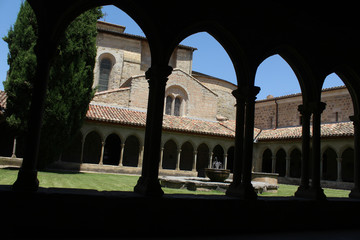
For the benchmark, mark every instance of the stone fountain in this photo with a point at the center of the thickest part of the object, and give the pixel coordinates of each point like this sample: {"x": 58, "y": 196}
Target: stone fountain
{"x": 217, "y": 173}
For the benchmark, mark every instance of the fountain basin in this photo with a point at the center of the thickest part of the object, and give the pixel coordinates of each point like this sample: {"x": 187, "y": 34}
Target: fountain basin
{"x": 217, "y": 175}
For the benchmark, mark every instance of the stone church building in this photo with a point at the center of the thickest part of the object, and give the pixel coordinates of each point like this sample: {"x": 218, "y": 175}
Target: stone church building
{"x": 199, "y": 119}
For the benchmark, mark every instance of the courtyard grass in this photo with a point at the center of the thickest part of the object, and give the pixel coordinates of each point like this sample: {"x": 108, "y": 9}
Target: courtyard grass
{"x": 117, "y": 182}
{"x": 95, "y": 181}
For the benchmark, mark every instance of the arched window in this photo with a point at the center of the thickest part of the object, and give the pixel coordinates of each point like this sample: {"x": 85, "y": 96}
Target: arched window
{"x": 105, "y": 69}
{"x": 168, "y": 105}
{"x": 177, "y": 106}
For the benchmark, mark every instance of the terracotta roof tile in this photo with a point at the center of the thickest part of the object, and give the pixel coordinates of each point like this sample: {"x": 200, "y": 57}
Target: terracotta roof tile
{"x": 341, "y": 129}
{"x": 173, "y": 123}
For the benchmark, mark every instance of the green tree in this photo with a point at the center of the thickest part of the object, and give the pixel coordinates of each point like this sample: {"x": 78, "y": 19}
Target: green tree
{"x": 70, "y": 79}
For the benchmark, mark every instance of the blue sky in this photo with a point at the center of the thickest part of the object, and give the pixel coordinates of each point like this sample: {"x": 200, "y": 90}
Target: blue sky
{"x": 274, "y": 75}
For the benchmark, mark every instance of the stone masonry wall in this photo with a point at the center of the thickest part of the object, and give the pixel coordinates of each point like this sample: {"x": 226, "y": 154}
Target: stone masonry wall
{"x": 338, "y": 109}
{"x": 226, "y": 101}
{"x": 118, "y": 97}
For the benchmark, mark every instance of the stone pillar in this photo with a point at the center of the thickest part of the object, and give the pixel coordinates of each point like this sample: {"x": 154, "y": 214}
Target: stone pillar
{"x": 102, "y": 153}
{"x": 27, "y": 175}
{"x": 273, "y": 163}
{"x": 287, "y": 172}
{"x": 178, "y": 160}
{"x": 317, "y": 191}
{"x": 339, "y": 169}
{"x": 161, "y": 157}
{"x": 321, "y": 167}
{"x": 225, "y": 160}
{"x": 305, "y": 153}
{"x": 235, "y": 186}
{"x": 355, "y": 192}
{"x": 211, "y": 154}
{"x": 13, "y": 155}
{"x": 249, "y": 191}
{"x": 148, "y": 184}
{"x": 141, "y": 156}
{"x": 245, "y": 190}
{"x": 121, "y": 154}
{"x": 82, "y": 150}
{"x": 194, "y": 161}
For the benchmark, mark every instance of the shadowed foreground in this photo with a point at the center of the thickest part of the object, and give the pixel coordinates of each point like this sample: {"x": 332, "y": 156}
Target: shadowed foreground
{"x": 77, "y": 213}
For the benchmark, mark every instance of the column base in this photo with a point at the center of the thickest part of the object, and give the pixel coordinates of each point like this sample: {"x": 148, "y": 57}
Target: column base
{"x": 148, "y": 188}
{"x": 313, "y": 193}
{"x": 26, "y": 181}
{"x": 355, "y": 193}
{"x": 242, "y": 191}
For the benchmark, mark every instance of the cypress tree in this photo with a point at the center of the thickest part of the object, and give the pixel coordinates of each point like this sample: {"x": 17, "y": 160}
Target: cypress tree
{"x": 70, "y": 79}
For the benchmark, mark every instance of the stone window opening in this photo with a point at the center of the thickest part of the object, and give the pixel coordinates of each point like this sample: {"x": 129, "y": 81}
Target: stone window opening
{"x": 177, "y": 106}
{"x": 168, "y": 105}
{"x": 173, "y": 105}
{"x": 105, "y": 69}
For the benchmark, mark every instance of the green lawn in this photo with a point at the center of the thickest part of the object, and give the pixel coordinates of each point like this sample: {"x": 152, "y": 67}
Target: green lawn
{"x": 115, "y": 182}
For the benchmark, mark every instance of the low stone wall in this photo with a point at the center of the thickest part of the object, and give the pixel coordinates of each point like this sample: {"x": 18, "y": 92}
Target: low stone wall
{"x": 271, "y": 178}
{"x": 6, "y": 162}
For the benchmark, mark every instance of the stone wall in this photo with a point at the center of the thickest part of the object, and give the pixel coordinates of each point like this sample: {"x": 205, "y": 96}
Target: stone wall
{"x": 202, "y": 102}
{"x": 130, "y": 55}
{"x": 226, "y": 101}
{"x": 117, "y": 97}
{"x": 338, "y": 109}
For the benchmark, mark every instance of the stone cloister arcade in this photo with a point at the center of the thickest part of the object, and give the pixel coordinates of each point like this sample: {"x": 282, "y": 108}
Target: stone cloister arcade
{"x": 315, "y": 42}
{"x": 180, "y": 154}
{"x": 336, "y": 163}
{"x": 248, "y": 35}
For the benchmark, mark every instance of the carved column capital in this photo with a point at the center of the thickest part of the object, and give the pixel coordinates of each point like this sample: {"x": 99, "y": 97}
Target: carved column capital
{"x": 317, "y": 107}
{"x": 355, "y": 120}
{"x": 158, "y": 74}
{"x": 246, "y": 93}
{"x": 304, "y": 110}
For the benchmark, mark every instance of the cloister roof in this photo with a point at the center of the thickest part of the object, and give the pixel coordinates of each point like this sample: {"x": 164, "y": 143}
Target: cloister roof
{"x": 129, "y": 117}
{"x": 124, "y": 116}
{"x": 341, "y": 129}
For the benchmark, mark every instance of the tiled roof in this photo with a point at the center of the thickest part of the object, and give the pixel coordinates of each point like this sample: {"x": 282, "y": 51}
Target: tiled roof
{"x": 124, "y": 116}
{"x": 342, "y": 129}
{"x": 173, "y": 123}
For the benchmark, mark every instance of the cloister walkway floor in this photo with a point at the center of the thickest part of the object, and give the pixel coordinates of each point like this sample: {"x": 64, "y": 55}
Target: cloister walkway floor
{"x": 54, "y": 212}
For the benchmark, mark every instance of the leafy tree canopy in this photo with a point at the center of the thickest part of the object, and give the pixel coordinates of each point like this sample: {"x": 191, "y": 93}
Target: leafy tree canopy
{"x": 70, "y": 80}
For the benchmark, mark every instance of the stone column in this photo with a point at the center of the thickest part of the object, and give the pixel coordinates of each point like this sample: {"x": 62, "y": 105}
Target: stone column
{"x": 148, "y": 184}
{"x": 13, "y": 155}
{"x": 211, "y": 154}
{"x": 27, "y": 175}
{"x": 102, "y": 153}
{"x": 82, "y": 150}
{"x": 225, "y": 160}
{"x": 317, "y": 191}
{"x": 178, "y": 160}
{"x": 194, "y": 161}
{"x": 287, "y": 172}
{"x": 248, "y": 189}
{"x": 121, "y": 154}
{"x": 141, "y": 156}
{"x": 339, "y": 169}
{"x": 305, "y": 151}
{"x": 321, "y": 167}
{"x": 161, "y": 157}
{"x": 235, "y": 186}
{"x": 273, "y": 163}
{"x": 355, "y": 192}
{"x": 245, "y": 190}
